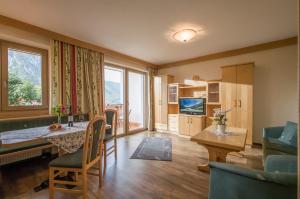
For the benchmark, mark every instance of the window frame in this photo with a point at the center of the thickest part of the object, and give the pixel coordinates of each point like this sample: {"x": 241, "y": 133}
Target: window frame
{"x": 5, "y": 45}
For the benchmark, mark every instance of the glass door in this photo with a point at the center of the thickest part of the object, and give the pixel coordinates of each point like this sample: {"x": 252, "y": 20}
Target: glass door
{"x": 136, "y": 101}
{"x": 114, "y": 94}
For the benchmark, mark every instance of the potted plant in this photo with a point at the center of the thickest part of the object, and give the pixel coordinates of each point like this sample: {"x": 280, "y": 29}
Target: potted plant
{"x": 220, "y": 121}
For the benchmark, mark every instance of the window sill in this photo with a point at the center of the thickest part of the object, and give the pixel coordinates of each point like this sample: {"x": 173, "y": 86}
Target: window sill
{"x": 11, "y": 115}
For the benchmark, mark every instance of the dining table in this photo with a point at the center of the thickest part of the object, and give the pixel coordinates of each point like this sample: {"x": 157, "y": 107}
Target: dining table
{"x": 68, "y": 139}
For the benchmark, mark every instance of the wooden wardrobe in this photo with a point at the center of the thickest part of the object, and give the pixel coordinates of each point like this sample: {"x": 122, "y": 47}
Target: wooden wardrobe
{"x": 161, "y": 101}
{"x": 237, "y": 95}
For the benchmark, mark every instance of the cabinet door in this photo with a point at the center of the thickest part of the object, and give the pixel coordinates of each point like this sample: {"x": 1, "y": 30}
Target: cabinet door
{"x": 184, "y": 125}
{"x": 196, "y": 125}
{"x": 228, "y": 94}
{"x": 245, "y": 99}
{"x": 157, "y": 101}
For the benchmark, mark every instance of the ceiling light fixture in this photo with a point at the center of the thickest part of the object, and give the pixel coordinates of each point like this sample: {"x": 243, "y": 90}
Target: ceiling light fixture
{"x": 185, "y": 35}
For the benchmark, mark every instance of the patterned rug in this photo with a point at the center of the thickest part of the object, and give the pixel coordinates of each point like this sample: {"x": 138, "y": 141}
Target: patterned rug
{"x": 154, "y": 148}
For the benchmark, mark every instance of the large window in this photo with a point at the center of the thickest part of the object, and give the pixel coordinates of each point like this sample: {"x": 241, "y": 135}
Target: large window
{"x": 24, "y": 77}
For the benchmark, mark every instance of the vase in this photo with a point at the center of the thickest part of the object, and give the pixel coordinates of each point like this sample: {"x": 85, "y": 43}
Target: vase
{"x": 221, "y": 129}
{"x": 59, "y": 119}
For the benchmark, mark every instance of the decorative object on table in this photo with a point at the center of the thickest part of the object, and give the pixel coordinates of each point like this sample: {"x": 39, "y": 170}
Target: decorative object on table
{"x": 220, "y": 120}
{"x": 154, "y": 148}
{"x": 70, "y": 117}
{"x": 59, "y": 111}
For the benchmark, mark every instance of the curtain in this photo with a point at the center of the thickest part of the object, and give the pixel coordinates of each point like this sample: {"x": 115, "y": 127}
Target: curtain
{"x": 151, "y": 73}
{"x": 76, "y": 78}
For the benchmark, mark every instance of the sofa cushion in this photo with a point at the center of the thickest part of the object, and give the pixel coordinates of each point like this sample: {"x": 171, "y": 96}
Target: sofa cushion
{"x": 281, "y": 163}
{"x": 289, "y": 134}
{"x": 5, "y": 150}
{"x": 278, "y": 145}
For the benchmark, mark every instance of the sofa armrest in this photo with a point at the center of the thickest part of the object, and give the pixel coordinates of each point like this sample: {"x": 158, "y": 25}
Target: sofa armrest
{"x": 284, "y": 178}
{"x": 272, "y": 132}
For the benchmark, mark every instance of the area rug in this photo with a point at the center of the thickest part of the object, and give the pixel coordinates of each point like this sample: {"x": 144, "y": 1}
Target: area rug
{"x": 154, "y": 148}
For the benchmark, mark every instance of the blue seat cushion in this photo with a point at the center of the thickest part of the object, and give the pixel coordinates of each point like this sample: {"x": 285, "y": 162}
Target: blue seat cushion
{"x": 289, "y": 134}
{"x": 281, "y": 163}
{"x": 70, "y": 160}
{"x": 278, "y": 145}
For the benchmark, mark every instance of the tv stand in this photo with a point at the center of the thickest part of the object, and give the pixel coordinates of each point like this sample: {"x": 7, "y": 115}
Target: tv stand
{"x": 190, "y": 125}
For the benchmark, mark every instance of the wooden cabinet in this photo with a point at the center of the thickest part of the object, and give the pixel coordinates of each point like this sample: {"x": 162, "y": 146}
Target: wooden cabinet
{"x": 161, "y": 101}
{"x": 173, "y": 90}
{"x": 190, "y": 125}
{"x": 173, "y": 120}
{"x": 237, "y": 95}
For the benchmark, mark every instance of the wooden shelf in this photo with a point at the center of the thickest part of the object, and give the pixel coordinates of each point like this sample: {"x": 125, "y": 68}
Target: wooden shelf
{"x": 213, "y": 103}
{"x": 191, "y": 87}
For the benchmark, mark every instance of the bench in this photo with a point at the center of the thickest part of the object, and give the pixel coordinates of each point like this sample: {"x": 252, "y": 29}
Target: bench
{"x": 21, "y": 152}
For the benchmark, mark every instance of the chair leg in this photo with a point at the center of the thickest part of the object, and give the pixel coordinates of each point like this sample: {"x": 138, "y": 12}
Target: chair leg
{"x": 116, "y": 151}
{"x": 84, "y": 184}
{"x": 100, "y": 173}
{"x": 51, "y": 184}
{"x": 105, "y": 158}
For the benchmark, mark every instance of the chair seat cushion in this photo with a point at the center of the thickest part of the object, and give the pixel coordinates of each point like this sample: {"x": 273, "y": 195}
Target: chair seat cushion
{"x": 289, "y": 134}
{"x": 281, "y": 163}
{"x": 70, "y": 160}
{"x": 6, "y": 150}
{"x": 276, "y": 144}
{"x": 108, "y": 136}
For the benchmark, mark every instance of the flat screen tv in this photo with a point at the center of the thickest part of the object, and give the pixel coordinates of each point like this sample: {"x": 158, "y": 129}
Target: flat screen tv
{"x": 192, "y": 106}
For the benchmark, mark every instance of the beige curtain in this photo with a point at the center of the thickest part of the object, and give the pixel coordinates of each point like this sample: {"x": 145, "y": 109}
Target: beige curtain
{"x": 151, "y": 73}
{"x": 77, "y": 78}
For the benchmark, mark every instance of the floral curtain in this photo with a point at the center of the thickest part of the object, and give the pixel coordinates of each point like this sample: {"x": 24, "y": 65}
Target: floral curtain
{"x": 151, "y": 73}
{"x": 76, "y": 78}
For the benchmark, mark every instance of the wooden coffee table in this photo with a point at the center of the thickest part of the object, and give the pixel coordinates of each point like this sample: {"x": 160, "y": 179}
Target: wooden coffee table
{"x": 219, "y": 146}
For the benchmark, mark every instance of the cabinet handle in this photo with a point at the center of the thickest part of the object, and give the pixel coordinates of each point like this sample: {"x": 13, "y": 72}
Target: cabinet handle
{"x": 191, "y": 120}
{"x": 240, "y": 103}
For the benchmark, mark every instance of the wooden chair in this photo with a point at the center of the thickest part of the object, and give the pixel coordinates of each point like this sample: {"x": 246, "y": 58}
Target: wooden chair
{"x": 111, "y": 116}
{"x": 80, "y": 162}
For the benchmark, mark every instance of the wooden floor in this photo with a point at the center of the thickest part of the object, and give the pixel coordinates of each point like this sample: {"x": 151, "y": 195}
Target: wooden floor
{"x": 126, "y": 178}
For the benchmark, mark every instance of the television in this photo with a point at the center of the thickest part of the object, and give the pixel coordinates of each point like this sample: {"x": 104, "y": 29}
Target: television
{"x": 192, "y": 106}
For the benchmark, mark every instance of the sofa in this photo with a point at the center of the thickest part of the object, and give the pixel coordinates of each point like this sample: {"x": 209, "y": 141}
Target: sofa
{"x": 280, "y": 140}
{"x": 277, "y": 181}
{"x": 25, "y": 151}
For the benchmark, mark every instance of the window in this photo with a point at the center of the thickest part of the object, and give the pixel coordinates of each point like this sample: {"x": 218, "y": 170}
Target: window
{"x": 24, "y": 77}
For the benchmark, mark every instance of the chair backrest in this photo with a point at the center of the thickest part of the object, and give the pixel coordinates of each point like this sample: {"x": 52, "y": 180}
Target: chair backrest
{"x": 93, "y": 144}
{"x": 111, "y": 116}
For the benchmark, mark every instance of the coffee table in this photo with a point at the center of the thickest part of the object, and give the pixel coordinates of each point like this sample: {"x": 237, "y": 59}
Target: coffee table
{"x": 219, "y": 146}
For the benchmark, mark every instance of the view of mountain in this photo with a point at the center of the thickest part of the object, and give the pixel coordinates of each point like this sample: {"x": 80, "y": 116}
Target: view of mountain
{"x": 26, "y": 66}
{"x": 112, "y": 92}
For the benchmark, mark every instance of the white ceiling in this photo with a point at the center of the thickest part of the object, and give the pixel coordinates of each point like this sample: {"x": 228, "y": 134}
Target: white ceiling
{"x": 142, "y": 28}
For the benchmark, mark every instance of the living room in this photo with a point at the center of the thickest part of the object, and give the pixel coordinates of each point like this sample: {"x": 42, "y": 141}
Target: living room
{"x": 139, "y": 99}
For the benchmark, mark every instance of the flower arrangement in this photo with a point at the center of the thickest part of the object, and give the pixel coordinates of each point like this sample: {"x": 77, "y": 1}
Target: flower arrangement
{"x": 59, "y": 111}
{"x": 220, "y": 116}
{"x": 220, "y": 120}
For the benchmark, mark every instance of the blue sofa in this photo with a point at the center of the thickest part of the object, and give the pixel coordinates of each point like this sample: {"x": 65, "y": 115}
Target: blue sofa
{"x": 277, "y": 181}
{"x": 280, "y": 140}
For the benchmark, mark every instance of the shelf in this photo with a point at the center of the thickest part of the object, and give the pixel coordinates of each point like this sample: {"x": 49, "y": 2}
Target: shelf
{"x": 193, "y": 97}
{"x": 214, "y": 92}
{"x": 172, "y": 102}
{"x": 213, "y": 103}
{"x": 192, "y": 87}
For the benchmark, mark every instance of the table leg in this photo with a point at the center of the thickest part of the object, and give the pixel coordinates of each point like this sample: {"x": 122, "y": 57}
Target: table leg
{"x": 214, "y": 155}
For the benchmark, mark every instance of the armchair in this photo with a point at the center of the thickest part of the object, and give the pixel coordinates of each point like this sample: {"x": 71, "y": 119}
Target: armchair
{"x": 273, "y": 144}
{"x": 277, "y": 181}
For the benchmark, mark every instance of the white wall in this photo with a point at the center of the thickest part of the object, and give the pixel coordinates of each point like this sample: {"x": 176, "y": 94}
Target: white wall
{"x": 275, "y": 83}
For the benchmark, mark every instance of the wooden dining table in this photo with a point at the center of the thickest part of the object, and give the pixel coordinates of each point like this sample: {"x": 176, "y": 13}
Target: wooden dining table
{"x": 69, "y": 139}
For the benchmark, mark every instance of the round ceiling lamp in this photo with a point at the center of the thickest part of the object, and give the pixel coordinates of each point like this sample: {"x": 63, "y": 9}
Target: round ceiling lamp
{"x": 185, "y": 35}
